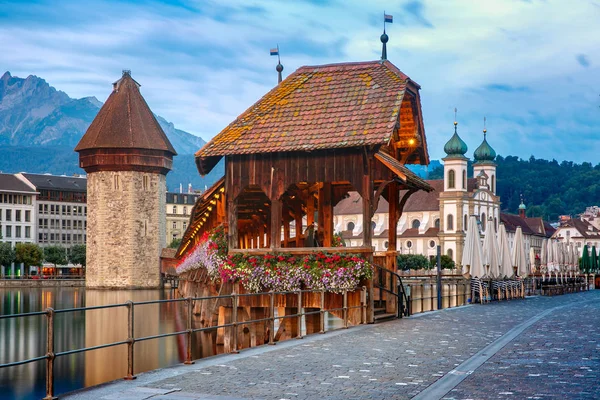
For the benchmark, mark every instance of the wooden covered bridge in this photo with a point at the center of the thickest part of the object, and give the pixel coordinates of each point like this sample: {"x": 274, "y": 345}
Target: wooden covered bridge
{"x": 292, "y": 156}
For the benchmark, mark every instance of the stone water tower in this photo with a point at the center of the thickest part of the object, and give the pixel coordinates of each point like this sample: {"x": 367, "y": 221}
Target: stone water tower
{"x": 127, "y": 156}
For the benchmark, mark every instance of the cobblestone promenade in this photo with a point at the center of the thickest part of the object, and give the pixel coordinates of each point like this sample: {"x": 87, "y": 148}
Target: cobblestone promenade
{"x": 538, "y": 348}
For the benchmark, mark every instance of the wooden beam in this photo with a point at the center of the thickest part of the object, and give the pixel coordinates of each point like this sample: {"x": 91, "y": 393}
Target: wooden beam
{"x": 275, "y": 223}
{"x": 232, "y": 223}
{"x": 326, "y": 210}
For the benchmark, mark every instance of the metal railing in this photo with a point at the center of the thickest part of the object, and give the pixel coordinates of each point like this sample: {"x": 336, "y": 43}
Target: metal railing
{"x": 386, "y": 284}
{"x": 131, "y": 340}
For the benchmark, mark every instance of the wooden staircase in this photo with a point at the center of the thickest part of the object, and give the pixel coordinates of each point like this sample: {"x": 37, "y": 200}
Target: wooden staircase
{"x": 381, "y": 315}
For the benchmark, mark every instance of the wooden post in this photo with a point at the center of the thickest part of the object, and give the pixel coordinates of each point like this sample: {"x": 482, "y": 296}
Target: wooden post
{"x": 275, "y": 223}
{"x": 286, "y": 233}
{"x": 232, "y": 223}
{"x": 393, "y": 217}
{"x": 299, "y": 231}
{"x": 367, "y": 198}
{"x": 326, "y": 210}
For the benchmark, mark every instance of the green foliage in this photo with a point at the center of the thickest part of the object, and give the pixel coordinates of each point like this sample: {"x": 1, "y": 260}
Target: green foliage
{"x": 412, "y": 261}
{"x": 56, "y": 255}
{"x": 445, "y": 261}
{"x": 175, "y": 243}
{"x": 77, "y": 254}
{"x": 549, "y": 188}
{"x": 29, "y": 254}
{"x": 7, "y": 254}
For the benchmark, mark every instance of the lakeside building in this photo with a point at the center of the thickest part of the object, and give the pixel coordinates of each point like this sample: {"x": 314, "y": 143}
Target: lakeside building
{"x": 17, "y": 210}
{"x": 440, "y": 217}
{"x": 579, "y": 231}
{"x": 179, "y": 206}
{"x": 61, "y": 211}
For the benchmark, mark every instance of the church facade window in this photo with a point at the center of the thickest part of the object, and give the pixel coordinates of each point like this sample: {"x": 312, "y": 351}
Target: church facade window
{"x": 466, "y": 222}
{"x": 437, "y": 223}
{"x": 450, "y": 222}
{"x": 450, "y": 253}
{"x": 483, "y": 221}
{"x": 464, "y": 179}
{"x": 416, "y": 223}
{"x": 350, "y": 226}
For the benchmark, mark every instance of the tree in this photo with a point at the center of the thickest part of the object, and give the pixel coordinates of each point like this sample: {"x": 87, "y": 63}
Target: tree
{"x": 77, "y": 254}
{"x": 175, "y": 243}
{"x": 29, "y": 254}
{"x": 7, "y": 254}
{"x": 56, "y": 255}
{"x": 412, "y": 261}
{"x": 445, "y": 261}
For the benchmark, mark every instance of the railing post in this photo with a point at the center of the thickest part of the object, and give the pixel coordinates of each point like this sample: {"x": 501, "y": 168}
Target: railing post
{"x": 188, "y": 358}
{"x": 50, "y": 355}
{"x": 299, "y": 335}
{"x": 272, "y": 319}
{"x": 130, "y": 341}
{"x": 234, "y": 339}
{"x": 363, "y": 305}
{"x": 322, "y": 319}
{"x": 400, "y": 299}
{"x": 345, "y": 309}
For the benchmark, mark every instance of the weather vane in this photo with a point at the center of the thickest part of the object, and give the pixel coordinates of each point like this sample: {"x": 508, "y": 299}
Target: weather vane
{"x": 279, "y": 67}
{"x": 484, "y": 129}
{"x": 384, "y": 37}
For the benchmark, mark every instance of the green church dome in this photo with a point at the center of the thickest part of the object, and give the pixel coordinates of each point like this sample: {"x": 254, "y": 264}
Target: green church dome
{"x": 455, "y": 146}
{"x": 484, "y": 152}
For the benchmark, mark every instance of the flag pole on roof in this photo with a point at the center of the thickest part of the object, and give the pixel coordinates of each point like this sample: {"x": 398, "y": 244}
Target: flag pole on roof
{"x": 384, "y": 37}
{"x": 279, "y": 67}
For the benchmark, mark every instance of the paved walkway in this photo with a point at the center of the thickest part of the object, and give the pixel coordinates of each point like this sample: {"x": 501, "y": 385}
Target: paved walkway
{"x": 538, "y": 348}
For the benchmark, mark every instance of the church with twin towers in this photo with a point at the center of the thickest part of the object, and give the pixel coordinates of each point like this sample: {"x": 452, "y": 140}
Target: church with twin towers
{"x": 439, "y": 217}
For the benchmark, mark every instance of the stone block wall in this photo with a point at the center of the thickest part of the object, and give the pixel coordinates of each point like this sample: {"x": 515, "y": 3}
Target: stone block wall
{"x": 126, "y": 229}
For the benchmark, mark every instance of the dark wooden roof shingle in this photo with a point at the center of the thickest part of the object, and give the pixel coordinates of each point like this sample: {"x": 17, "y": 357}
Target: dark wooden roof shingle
{"x": 125, "y": 122}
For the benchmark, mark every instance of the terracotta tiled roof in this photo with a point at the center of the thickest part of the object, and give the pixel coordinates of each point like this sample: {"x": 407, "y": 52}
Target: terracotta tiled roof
{"x": 125, "y": 122}
{"x": 512, "y": 221}
{"x": 414, "y": 233}
{"x": 585, "y": 229}
{"x": 318, "y": 107}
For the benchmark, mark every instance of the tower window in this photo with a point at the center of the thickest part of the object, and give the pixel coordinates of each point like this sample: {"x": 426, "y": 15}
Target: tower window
{"x": 450, "y": 222}
{"x": 464, "y": 179}
{"x": 437, "y": 223}
{"x": 145, "y": 183}
{"x": 116, "y": 182}
{"x": 466, "y": 218}
{"x": 483, "y": 222}
{"x": 451, "y": 179}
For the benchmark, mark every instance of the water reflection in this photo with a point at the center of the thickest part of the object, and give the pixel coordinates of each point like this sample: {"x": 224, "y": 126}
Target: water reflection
{"x": 23, "y": 338}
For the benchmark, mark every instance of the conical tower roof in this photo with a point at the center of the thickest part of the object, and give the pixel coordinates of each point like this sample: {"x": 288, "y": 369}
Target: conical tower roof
{"x": 125, "y": 122}
{"x": 125, "y": 135}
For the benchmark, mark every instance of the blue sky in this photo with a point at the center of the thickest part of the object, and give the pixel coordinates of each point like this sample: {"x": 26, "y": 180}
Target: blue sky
{"x": 531, "y": 67}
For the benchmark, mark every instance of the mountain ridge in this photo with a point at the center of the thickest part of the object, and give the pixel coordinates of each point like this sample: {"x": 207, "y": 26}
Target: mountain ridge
{"x": 40, "y": 126}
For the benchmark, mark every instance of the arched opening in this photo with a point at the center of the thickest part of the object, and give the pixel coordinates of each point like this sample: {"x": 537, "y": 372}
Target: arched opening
{"x": 437, "y": 223}
{"x": 466, "y": 222}
{"x": 450, "y": 222}
{"x": 464, "y": 179}
{"x": 254, "y": 213}
{"x": 451, "y": 179}
{"x": 350, "y": 226}
{"x": 450, "y": 254}
{"x": 483, "y": 221}
{"x": 416, "y": 224}
{"x": 493, "y": 184}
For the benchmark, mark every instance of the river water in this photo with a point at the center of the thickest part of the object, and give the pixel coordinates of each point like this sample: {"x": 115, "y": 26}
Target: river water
{"x": 23, "y": 338}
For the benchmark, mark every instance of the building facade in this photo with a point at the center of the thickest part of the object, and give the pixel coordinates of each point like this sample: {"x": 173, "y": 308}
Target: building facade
{"x": 179, "y": 207}
{"x": 440, "y": 217}
{"x": 61, "y": 211}
{"x": 17, "y": 210}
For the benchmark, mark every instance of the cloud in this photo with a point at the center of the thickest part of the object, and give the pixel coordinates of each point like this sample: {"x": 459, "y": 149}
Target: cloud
{"x": 203, "y": 62}
{"x": 583, "y": 60}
